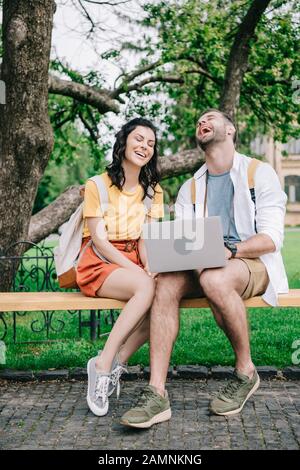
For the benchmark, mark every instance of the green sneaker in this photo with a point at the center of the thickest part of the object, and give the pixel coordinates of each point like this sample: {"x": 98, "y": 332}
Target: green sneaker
{"x": 150, "y": 409}
{"x": 231, "y": 398}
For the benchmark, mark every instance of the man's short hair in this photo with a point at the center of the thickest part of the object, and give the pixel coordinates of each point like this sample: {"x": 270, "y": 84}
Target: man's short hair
{"x": 226, "y": 116}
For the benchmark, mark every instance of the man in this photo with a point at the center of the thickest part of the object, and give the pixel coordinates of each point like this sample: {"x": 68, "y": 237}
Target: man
{"x": 253, "y": 237}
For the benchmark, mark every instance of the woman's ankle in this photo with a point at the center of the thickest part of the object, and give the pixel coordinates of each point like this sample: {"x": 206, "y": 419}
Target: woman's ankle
{"x": 101, "y": 366}
{"x": 122, "y": 356}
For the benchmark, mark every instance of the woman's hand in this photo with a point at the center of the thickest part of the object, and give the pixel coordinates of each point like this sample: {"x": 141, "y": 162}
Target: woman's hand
{"x": 147, "y": 269}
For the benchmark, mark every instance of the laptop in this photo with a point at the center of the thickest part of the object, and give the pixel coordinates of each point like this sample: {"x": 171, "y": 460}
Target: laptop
{"x": 182, "y": 245}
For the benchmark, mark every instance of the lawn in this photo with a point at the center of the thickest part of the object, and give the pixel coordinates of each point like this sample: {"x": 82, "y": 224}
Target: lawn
{"x": 200, "y": 341}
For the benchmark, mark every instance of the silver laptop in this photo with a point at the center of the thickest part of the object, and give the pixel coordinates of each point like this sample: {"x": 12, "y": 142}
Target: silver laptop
{"x": 182, "y": 245}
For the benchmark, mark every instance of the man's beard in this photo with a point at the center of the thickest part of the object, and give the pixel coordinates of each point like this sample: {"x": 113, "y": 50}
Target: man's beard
{"x": 218, "y": 136}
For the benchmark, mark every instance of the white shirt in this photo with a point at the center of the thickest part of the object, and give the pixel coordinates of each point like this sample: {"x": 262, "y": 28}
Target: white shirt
{"x": 270, "y": 212}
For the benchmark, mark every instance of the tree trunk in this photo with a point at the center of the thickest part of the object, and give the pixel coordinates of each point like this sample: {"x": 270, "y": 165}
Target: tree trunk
{"x": 238, "y": 58}
{"x": 26, "y": 137}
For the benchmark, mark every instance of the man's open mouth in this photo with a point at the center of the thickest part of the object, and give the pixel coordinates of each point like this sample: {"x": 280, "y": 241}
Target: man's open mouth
{"x": 205, "y": 130}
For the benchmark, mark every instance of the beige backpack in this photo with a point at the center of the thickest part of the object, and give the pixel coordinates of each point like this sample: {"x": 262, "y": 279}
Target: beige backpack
{"x": 66, "y": 254}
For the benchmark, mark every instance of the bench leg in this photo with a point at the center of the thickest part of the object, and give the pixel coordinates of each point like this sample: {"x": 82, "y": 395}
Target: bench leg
{"x": 93, "y": 325}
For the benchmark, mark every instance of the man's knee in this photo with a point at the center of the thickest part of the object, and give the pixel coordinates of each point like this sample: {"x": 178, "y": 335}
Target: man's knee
{"x": 214, "y": 283}
{"x": 170, "y": 288}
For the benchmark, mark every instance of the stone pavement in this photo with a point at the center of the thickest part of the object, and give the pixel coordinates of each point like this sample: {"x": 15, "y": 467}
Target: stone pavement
{"x": 54, "y": 415}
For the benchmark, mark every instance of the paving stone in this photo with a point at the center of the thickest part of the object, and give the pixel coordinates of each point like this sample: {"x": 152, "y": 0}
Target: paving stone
{"x": 134, "y": 373}
{"x": 54, "y": 415}
{"x": 220, "y": 372}
{"x": 192, "y": 372}
{"x": 52, "y": 375}
{"x": 292, "y": 373}
{"x": 146, "y": 373}
{"x": 16, "y": 375}
{"x": 267, "y": 372}
{"x": 80, "y": 373}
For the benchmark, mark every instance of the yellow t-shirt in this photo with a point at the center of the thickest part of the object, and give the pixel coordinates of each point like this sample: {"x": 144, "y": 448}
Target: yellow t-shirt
{"x": 125, "y": 213}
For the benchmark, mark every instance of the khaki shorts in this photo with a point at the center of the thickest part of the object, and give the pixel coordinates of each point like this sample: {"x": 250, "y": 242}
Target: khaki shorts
{"x": 259, "y": 278}
{"x": 257, "y": 285}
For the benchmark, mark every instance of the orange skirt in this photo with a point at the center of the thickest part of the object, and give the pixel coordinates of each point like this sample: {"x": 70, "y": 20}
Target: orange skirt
{"x": 92, "y": 271}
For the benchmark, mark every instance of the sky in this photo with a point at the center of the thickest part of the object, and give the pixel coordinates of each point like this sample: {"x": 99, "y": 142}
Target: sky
{"x": 70, "y": 26}
{"x": 70, "y": 42}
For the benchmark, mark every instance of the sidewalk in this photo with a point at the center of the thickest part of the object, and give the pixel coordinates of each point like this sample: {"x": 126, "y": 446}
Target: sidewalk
{"x": 54, "y": 415}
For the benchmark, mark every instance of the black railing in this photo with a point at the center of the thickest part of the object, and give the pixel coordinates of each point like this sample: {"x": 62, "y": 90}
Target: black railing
{"x": 34, "y": 271}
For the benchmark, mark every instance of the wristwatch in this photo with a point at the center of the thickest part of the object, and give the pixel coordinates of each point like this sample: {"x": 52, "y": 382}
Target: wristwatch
{"x": 231, "y": 247}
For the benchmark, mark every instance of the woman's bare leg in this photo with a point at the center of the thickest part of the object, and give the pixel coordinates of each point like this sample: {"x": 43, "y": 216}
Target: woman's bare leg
{"x": 137, "y": 338}
{"x": 123, "y": 284}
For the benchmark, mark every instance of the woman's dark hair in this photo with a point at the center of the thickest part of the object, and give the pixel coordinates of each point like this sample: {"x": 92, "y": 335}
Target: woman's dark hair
{"x": 149, "y": 174}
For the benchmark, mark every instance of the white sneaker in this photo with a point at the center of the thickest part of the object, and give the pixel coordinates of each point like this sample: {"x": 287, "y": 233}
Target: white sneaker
{"x": 97, "y": 393}
{"x": 115, "y": 379}
{"x": 116, "y": 371}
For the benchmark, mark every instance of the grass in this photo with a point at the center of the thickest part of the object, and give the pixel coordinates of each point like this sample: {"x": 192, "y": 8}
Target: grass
{"x": 200, "y": 341}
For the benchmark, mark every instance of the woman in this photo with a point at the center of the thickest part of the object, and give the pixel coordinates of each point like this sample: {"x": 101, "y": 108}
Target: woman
{"x": 131, "y": 178}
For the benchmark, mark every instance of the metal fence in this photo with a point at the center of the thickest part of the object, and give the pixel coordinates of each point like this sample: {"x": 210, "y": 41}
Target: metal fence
{"x": 34, "y": 271}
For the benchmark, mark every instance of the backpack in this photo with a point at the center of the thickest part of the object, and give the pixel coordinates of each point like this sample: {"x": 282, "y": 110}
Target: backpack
{"x": 251, "y": 172}
{"x": 66, "y": 254}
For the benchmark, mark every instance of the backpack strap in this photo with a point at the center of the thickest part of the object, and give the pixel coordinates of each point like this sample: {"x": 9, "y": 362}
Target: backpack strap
{"x": 104, "y": 198}
{"x": 102, "y": 190}
{"x": 251, "y": 173}
{"x": 193, "y": 193}
{"x": 148, "y": 199}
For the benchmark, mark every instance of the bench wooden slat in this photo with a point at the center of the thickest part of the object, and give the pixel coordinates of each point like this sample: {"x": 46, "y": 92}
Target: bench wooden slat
{"x": 36, "y": 301}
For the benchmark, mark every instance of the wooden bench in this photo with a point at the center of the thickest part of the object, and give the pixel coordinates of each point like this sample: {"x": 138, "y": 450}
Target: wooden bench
{"x": 39, "y": 301}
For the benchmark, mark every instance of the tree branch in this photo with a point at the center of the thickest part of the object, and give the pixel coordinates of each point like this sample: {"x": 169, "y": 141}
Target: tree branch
{"x": 238, "y": 57}
{"x": 100, "y": 99}
{"x": 93, "y": 132}
{"x": 107, "y": 3}
{"x": 49, "y": 219}
{"x": 58, "y": 125}
{"x": 201, "y": 70}
{"x": 131, "y": 76}
{"x": 148, "y": 80}
{"x": 88, "y": 16}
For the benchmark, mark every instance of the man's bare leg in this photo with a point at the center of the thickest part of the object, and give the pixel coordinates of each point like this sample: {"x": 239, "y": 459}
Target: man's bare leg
{"x": 153, "y": 406}
{"x": 164, "y": 322}
{"x": 223, "y": 288}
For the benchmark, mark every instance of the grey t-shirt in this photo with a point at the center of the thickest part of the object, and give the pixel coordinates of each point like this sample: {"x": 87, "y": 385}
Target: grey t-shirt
{"x": 220, "y": 202}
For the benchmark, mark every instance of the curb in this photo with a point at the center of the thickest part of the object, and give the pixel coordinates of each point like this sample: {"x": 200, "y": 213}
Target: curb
{"x": 191, "y": 372}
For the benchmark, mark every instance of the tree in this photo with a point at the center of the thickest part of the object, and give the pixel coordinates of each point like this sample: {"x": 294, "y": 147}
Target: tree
{"x": 208, "y": 51}
{"x": 26, "y": 137}
{"x": 225, "y": 69}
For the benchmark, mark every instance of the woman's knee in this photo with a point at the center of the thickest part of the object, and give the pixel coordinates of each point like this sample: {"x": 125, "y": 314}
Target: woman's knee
{"x": 145, "y": 285}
